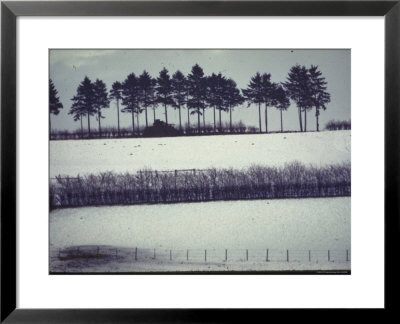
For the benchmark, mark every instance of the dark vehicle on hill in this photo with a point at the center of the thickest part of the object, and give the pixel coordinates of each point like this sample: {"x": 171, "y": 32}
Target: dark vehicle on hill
{"x": 160, "y": 129}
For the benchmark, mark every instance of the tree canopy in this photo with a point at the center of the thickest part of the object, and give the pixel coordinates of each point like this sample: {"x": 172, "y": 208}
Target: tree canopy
{"x": 197, "y": 92}
{"x": 83, "y": 101}
{"x": 164, "y": 91}
{"x": 54, "y": 100}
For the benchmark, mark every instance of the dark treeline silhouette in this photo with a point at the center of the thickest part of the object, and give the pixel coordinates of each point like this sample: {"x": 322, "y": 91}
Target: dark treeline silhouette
{"x": 196, "y": 93}
{"x": 338, "y": 125}
{"x": 54, "y": 102}
{"x": 293, "y": 180}
{"x": 307, "y": 88}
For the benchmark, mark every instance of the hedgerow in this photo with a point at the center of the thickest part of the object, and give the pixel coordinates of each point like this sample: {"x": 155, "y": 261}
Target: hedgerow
{"x": 293, "y": 180}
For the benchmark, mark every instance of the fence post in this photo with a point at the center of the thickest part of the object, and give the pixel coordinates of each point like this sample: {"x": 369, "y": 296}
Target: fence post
{"x": 187, "y": 255}
{"x": 329, "y": 255}
{"x": 247, "y": 255}
{"x": 226, "y": 255}
{"x": 309, "y": 255}
{"x": 267, "y": 256}
{"x": 347, "y": 255}
{"x": 287, "y": 255}
{"x": 136, "y": 254}
{"x": 170, "y": 255}
{"x": 205, "y": 255}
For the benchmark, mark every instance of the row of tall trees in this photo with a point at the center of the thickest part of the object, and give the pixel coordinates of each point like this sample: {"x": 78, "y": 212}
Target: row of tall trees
{"x": 90, "y": 99}
{"x": 307, "y": 88}
{"x": 261, "y": 90}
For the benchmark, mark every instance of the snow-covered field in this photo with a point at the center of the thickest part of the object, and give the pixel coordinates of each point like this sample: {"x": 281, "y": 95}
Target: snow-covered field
{"x": 238, "y": 151}
{"x": 322, "y": 223}
{"x": 296, "y": 224}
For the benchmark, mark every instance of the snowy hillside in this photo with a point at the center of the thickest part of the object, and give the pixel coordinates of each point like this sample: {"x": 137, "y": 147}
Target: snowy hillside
{"x": 121, "y": 155}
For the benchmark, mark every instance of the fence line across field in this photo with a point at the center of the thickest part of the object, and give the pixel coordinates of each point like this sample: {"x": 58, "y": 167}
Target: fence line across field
{"x": 204, "y": 255}
{"x": 56, "y": 179}
{"x": 141, "y": 172}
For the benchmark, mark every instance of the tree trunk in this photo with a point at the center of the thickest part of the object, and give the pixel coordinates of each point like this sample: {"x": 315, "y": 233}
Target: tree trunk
{"x": 204, "y": 119}
{"x": 259, "y": 115}
{"x": 198, "y": 120}
{"x": 99, "y": 125}
{"x": 281, "y": 123}
{"x": 133, "y": 123}
{"x": 305, "y": 119}
{"x": 118, "y": 116}
{"x": 188, "y": 110}
{"x": 317, "y": 116}
{"x": 50, "y": 126}
{"x": 138, "y": 127}
{"x": 81, "y": 126}
{"x": 230, "y": 119}
{"x": 214, "y": 120}
{"x": 145, "y": 110}
{"x": 154, "y": 114}
{"x": 188, "y": 117}
{"x": 88, "y": 122}
{"x": 166, "y": 116}
{"x": 180, "y": 119}
{"x": 300, "y": 119}
{"x": 266, "y": 118}
{"x": 220, "y": 121}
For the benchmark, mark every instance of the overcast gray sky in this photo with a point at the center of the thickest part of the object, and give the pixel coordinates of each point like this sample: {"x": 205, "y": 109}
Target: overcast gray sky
{"x": 68, "y": 67}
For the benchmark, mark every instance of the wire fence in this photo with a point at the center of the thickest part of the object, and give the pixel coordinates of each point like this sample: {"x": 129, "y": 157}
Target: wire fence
{"x": 140, "y": 173}
{"x": 202, "y": 255}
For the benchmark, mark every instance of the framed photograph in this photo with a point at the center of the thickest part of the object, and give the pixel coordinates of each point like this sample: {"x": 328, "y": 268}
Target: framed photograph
{"x": 212, "y": 145}
{"x": 204, "y": 156}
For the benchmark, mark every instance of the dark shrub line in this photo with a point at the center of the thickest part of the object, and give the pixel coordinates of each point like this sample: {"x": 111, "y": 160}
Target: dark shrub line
{"x": 111, "y": 132}
{"x": 338, "y": 125}
{"x": 208, "y": 129}
{"x": 294, "y": 180}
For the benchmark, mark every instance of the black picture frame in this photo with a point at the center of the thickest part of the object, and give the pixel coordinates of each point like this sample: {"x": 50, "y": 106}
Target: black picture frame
{"x": 10, "y": 10}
